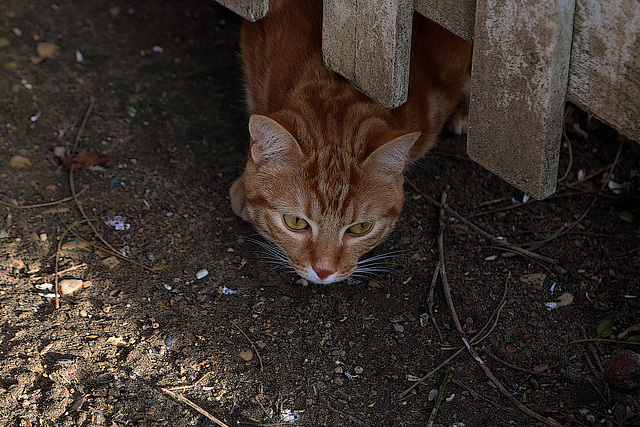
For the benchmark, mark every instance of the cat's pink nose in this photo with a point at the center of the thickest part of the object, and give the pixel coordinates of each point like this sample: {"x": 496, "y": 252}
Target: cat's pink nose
{"x": 323, "y": 271}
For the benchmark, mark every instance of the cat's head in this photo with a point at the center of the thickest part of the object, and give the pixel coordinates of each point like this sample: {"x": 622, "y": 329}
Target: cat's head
{"x": 324, "y": 209}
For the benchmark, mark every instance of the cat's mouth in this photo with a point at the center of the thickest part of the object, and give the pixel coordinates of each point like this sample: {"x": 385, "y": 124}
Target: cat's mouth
{"x": 321, "y": 276}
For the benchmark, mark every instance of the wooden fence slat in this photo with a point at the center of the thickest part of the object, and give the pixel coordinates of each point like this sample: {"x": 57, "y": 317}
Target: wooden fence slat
{"x": 248, "y": 9}
{"x": 520, "y": 74}
{"x": 605, "y": 62}
{"x": 369, "y": 43}
{"x": 457, "y": 16}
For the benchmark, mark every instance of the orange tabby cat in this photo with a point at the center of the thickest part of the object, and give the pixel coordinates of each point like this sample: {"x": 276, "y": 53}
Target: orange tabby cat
{"x": 324, "y": 176}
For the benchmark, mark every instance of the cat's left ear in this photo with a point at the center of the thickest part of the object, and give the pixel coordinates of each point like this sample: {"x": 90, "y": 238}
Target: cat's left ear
{"x": 392, "y": 157}
{"x": 271, "y": 142}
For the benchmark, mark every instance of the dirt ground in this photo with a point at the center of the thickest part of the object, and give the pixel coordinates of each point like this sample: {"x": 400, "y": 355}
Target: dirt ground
{"x": 249, "y": 346}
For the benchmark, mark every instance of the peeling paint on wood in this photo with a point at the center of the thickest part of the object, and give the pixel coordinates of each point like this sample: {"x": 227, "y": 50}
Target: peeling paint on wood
{"x": 605, "y": 62}
{"x": 248, "y": 9}
{"x": 457, "y": 16}
{"x": 519, "y": 81}
{"x": 369, "y": 43}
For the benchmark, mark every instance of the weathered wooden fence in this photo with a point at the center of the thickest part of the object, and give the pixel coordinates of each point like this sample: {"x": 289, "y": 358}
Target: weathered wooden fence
{"x": 529, "y": 58}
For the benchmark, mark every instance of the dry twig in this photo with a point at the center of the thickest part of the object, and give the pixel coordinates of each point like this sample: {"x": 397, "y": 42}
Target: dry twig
{"x": 443, "y": 274}
{"x": 348, "y": 417}
{"x": 252, "y": 345}
{"x": 79, "y": 205}
{"x": 532, "y": 255}
{"x": 183, "y": 399}
{"x": 512, "y": 366}
{"x": 505, "y": 392}
{"x": 42, "y": 205}
{"x": 434, "y": 279}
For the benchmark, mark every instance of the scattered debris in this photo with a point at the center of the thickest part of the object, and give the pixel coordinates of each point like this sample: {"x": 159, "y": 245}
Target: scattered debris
{"x": 19, "y": 161}
{"x": 46, "y": 50}
{"x": 289, "y": 416}
{"x": 69, "y": 286}
{"x": 246, "y": 355}
{"x": 76, "y": 246}
{"x": 117, "y": 222}
{"x": 623, "y": 370}
{"x": 84, "y": 160}
{"x": 226, "y": 291}
{"x": 201, "y": 274}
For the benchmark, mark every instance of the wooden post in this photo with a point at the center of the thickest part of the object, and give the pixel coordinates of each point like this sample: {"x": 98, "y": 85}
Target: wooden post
{"x": 457, "y": 16}
{"x": 248, "y": 9}
{"x": 519, "y": 81}
{"x": 605, "y": 62}
{"x": 369, "y": 43}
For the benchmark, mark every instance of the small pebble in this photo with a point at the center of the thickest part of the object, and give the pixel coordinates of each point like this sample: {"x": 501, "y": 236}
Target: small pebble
{"x": 202, "y": 274}
{"x": 111, "y": 262}
{"x": 246, "y": 355}
{"x": 167, "y": 287}
{"x": 43, "y": 237}
{"x": 76, "y": 246}
{"x": 59, "y": 151}
{"x": 69, "y": 286}
{"x": 19, "y": 161}
{"x": 169, "y": 340}
{"x": 358, "y": 370}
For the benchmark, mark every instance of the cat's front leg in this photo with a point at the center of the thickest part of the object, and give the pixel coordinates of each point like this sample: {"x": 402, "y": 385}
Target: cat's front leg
{"x": 458, "y": 122}
{"x": 237, "y": 199}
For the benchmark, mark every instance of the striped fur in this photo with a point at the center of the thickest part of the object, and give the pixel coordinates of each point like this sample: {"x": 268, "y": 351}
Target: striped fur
{"x": 322, "y": 151}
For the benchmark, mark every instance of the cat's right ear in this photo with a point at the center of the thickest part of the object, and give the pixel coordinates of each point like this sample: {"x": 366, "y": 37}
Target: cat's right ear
{"x": 271, "y": 142}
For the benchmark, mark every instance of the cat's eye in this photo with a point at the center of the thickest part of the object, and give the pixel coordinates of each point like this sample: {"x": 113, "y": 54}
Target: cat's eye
{"x": 360, "y": 228}
{"x": 295, "y": 223}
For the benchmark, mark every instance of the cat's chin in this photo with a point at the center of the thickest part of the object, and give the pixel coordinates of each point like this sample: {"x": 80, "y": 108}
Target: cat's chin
{"x": 310, "y": 275}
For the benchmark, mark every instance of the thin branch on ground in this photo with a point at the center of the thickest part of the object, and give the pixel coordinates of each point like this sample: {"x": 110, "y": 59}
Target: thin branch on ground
{"x": 87, "y": 113}
{"x": 495, "y": 316}
{"x": 505, "y": 392}
{"x": 196, "y": 384}
{"x": 443, "y": 274}
{"x": 475, "y": 394}
{"x": 513, "y": 248}
{"x": 183, "y": 399}
{"x": 252, "y": 345}
{"x": 430, "y": 302}
{"x": 60, "y": 273}
{"x": 56, "y": 288}
{"x": 104, "y": 248}
{"x": 512, "y": 366}
{"x": 475, "y": 340}
{"x": 586, "y": 212}
{"x": 348, "y": 417}
{"x": 42, "y": 205}
{"x": 79, "y": 205}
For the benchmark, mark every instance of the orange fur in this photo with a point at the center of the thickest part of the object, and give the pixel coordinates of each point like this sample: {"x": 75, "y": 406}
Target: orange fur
{"x": 322, "y": 151}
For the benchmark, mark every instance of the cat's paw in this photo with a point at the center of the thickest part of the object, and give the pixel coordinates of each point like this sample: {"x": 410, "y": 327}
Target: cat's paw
{"x": 237, "y": 199}
{"x": 458, "y": 123}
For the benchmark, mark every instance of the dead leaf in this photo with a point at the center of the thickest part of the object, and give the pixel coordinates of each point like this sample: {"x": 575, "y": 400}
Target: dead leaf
{"x": 511, "y": 348}
{"x": 533, "y": 279}
{"x": 116, "y": 341}
{"x": 19, "y": 161}
{"x": 85, "y": 159}
{"x": 541, "y": 367}
{"x": 246, "y": 355}
{"x": 565, "y": 299}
